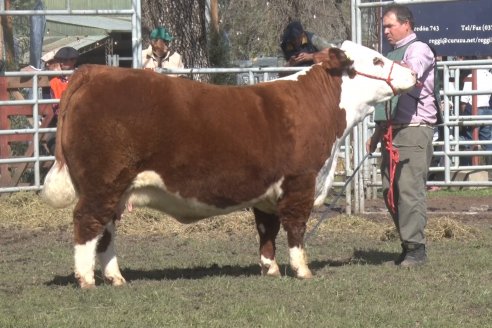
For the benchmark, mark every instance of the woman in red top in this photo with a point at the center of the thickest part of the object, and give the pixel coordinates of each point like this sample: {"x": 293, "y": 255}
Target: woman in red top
{"x": 67, "y": 58}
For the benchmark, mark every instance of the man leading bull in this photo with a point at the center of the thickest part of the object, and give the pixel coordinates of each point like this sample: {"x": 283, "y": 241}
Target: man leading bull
{"x": 405, "y": 128}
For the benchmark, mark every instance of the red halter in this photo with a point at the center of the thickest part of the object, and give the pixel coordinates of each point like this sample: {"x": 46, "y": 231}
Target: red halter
{"x": 387, "y": 80}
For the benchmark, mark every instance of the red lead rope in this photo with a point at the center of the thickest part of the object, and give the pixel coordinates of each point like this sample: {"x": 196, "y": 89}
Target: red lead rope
{"x": 394, "y": 156}
{"x": 394, "y": 159}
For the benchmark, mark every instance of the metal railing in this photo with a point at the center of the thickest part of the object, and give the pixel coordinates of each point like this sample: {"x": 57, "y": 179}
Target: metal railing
{"x": 254, "y": 74}
{"x": 366, "y": 181}
{"x": 449, "y": 171}
{"x": 353, "y": 149}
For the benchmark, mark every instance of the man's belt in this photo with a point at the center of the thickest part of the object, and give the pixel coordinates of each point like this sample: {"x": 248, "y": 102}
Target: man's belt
{"x": 406, "y": 125}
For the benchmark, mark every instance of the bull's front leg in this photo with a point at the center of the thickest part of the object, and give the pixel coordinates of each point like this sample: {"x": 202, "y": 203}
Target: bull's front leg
{"x": 107, "y": 256}
{"x": 294, "y": 209}
{"x": 268, "y": 226}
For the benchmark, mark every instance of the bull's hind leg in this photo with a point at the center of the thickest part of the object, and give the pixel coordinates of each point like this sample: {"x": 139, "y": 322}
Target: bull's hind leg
{"x": 85, "y": 262}
{"x": 294, "y": 209}
{"x": 90, "y": 220}
{"x": 107, "y": 256}
{"x": 268, "y": 226}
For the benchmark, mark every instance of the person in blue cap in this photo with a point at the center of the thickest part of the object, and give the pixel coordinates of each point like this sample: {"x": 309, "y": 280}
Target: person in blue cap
{"x": 158, "y": 54}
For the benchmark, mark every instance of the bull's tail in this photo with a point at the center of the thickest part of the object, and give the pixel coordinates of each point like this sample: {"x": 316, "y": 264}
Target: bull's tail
{"x": 58, "y": 190}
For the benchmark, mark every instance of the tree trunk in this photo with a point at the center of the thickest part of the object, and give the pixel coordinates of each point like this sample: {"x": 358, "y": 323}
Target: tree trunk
{"x": 7, "y": 37}
{"x": 185, "y": 19}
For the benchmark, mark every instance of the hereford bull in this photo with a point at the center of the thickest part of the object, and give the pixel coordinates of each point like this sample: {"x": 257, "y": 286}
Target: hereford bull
{"x": 194, "y": 150}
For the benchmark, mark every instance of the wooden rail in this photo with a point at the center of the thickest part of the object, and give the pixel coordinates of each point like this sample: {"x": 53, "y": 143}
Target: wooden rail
{"x": 10, "y": 174}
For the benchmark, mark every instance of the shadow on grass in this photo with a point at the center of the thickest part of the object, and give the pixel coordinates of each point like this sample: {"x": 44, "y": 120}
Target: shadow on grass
{"x": 373, "y": 257}
{"x": 63, "y": 281}
{"x": 197, "y": 272}
{"x": 170, "y": 274}
{"x": 370, "y": 257}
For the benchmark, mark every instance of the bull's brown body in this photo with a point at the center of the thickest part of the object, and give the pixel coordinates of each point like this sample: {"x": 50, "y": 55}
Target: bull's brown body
{"x": 194, "y": 150}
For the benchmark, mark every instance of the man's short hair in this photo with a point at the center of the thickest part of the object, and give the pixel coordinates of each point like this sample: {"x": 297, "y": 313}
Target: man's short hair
{"x": 403, "y": 14}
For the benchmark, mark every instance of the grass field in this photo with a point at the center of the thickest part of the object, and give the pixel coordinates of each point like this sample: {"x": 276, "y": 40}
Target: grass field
{"x": 206, "y": 274}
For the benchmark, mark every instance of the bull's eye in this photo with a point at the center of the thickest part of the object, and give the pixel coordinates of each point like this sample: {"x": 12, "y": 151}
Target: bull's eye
{"x": 378, "y": 61}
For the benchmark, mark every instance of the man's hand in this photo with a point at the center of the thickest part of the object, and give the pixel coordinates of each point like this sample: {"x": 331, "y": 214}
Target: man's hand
{"x": 300, "y": 58}
{"x": 372, "y": 142}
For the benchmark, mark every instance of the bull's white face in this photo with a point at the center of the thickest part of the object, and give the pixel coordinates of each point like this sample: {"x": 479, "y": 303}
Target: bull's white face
{"x": 377, "y": 80}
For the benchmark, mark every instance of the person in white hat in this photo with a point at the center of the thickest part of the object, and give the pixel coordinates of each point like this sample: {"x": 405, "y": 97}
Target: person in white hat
{"x": 50, "y": 64}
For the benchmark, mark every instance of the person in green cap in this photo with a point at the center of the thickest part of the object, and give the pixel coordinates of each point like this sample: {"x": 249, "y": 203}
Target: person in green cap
{"x": 158, "y": 54}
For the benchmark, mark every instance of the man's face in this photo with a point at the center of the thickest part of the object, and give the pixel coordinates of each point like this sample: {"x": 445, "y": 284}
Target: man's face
{"x": 159, "y": 47}
{"x": 395, "y": 31}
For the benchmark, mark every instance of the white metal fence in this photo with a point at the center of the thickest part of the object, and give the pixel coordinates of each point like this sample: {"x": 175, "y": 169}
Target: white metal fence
{"x": 447, "y": 170}
{"x": 366, "y": 181}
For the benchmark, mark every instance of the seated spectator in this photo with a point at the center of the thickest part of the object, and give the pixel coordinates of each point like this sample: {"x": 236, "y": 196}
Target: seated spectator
{"x": 158, "y": 54}
{"x": 300, "y": 47}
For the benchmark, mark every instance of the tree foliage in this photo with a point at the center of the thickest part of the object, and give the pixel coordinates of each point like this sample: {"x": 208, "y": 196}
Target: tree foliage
{"x": 247, "y": 29}
{"x": 255, "y": 27}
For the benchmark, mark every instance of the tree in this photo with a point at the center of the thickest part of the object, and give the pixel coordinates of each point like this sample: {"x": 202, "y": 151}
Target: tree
{"x": 185, "y": 19}
{"x": 7, "y": 37}
{"x": 255, "y": 27}
{"x": 246, "y": 28}
{"x": 14, "y": 33}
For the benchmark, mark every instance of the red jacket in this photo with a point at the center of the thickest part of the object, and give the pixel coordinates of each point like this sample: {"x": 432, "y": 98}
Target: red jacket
{"x": 58, "y": 85}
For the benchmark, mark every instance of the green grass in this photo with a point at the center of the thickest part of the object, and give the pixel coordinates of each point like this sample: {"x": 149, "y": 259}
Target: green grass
{"x": 462, "y": 192}
{"x": 199, "y": 283}
{"x": 206, "y": 275}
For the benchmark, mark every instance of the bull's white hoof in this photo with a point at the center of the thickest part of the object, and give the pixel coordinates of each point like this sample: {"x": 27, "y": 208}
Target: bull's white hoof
{"x": 304, "y": 274}
{"x": 269, "y": 267}
{"x": 298, "y": 263}
{"x": 85, "y": 283}
{"x": 271, "y": 271}
{"x": 116, "y": 281}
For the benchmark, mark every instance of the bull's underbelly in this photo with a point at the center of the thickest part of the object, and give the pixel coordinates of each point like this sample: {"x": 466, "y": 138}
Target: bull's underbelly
{"x": 148, "y": 189}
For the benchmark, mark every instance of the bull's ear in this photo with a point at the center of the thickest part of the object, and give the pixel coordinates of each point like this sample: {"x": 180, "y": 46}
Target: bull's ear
{"x": 340, "y": 57}
{"x": 338, "y": 62}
